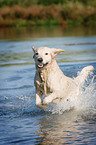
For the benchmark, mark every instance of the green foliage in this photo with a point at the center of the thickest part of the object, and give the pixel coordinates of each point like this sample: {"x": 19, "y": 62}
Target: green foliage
{"x": 8, "y": 2}
{"x": 27, "y": 3}
{"x": 49, "y": 2}
{"x": 86, "y": 1}
{"x": 47, "y": 12}
{"x": 24, "y": 3}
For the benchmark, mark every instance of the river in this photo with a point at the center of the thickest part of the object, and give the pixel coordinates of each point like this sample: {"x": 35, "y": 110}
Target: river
{"x": 21, "y": 122}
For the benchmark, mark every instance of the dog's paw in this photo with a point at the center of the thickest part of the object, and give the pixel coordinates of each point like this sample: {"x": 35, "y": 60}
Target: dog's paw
{"x": 46, "y": 101}
{"x": 42, "y": 106}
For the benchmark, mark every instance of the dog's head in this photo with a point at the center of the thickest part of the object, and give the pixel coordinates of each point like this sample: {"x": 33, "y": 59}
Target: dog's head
{"x": 43, "y": 56}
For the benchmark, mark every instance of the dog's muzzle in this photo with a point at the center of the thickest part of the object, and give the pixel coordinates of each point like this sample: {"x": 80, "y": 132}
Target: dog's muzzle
{"x": 40, "y": 63}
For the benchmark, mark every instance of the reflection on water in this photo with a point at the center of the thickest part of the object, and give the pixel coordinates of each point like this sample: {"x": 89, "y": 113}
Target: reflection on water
{"x": 24, "y": 33}
{"x": 65, "y": 129}
{"x": 15, "y": 44}
{"x": 21, "y": 122}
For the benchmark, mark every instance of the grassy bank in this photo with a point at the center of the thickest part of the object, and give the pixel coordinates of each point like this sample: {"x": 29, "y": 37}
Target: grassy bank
{"x": 69, "y": 13}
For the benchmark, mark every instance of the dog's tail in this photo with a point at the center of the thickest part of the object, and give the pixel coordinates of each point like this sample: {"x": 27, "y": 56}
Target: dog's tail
{"x": 80, "y": 79}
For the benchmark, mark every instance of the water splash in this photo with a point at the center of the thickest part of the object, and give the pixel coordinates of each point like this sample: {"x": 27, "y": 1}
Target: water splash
{"x": 85, "y": 104}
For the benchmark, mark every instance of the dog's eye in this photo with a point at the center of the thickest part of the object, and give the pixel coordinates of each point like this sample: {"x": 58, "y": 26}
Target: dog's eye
{"x": 46, "y": 53}
{"x": 36, "y": 53}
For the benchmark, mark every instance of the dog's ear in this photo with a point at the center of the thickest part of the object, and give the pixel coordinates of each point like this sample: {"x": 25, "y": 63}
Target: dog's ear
{"x": 34, "y": 49}
{"x": 57, "y": 51}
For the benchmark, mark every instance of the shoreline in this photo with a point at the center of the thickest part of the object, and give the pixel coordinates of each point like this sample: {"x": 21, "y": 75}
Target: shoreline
{"x": 69, "y": 14}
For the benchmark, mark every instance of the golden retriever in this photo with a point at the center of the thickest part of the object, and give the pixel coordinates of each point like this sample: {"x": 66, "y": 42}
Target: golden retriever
{"x": 51, "y": 82}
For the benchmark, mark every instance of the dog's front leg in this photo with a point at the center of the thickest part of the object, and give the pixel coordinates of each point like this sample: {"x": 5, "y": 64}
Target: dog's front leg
{"x": 38, "y": 101}
{"x": 49, "y": 98}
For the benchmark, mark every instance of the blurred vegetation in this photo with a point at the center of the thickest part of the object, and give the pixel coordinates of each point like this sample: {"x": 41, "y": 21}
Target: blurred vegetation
{"x": 47, "y": 12}
{"x": 27, "y": 3}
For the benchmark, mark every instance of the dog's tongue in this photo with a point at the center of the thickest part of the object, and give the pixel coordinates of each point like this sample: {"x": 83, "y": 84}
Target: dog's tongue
{"x": 40, "y": 65}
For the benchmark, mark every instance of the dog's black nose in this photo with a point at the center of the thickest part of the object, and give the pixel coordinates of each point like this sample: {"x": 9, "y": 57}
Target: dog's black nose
{"x": 40, "y": 59}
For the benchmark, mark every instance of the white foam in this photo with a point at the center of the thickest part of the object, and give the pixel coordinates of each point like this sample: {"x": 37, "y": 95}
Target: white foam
{"x": 85, "y": 103}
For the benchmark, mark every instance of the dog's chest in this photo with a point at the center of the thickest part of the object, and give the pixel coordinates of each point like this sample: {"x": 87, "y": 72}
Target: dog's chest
{"x": 43, "y": 84}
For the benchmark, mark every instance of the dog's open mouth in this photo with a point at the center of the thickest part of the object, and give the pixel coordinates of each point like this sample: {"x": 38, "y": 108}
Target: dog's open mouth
{"x": 40, "y": 65}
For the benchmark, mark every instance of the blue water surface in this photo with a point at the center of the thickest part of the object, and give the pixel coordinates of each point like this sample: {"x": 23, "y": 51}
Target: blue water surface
{"x": 21, "y": 122}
